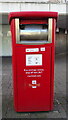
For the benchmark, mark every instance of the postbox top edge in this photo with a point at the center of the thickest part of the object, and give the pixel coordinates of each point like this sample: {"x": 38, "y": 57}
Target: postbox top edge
{"x": 32, "y": 14}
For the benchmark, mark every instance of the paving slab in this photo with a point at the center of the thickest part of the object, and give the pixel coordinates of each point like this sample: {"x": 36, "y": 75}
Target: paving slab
{"x": 0, "y": 107}
{"x": 58, "y": 112}
{"x": 5, "y": 102}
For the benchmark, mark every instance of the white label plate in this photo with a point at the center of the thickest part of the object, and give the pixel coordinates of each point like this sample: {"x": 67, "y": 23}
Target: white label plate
{"x": 32, "y": 50}
{"x": 34, "y": 81}
{"x": 42, "y": 48}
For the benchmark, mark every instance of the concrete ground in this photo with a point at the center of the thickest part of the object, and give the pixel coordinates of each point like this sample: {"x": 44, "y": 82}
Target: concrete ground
{"x": 60, "y": 92}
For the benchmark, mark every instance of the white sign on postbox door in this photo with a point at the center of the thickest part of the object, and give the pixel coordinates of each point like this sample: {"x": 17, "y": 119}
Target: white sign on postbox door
{"x": 33, "y": 59}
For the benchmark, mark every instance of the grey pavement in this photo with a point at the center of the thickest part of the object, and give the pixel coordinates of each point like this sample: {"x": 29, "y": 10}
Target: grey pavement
{"x": 0, "y": 88}
{"x": 59, "y": 98}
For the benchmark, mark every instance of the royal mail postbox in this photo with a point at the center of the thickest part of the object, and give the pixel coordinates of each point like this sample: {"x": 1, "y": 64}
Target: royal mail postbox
{"x": 33, "y": 46}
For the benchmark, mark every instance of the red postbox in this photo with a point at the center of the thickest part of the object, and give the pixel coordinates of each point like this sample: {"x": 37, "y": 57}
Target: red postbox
{"x": 33, "y": 46}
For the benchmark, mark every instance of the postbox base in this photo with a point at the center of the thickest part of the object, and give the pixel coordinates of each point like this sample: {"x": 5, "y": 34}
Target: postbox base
{"x": 34, "y": 110}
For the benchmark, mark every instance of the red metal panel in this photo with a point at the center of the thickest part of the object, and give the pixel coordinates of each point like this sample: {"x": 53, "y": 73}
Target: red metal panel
{"x": 33, "y": 21}
{"x": 33, "y": 99}
{"x": 52, "y": 63}
{"x": 14, "y": 65}
{"x": 33, "y": 15}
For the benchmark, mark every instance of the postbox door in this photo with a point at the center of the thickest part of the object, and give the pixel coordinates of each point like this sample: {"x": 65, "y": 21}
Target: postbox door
{"x": 33, "y": 79}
